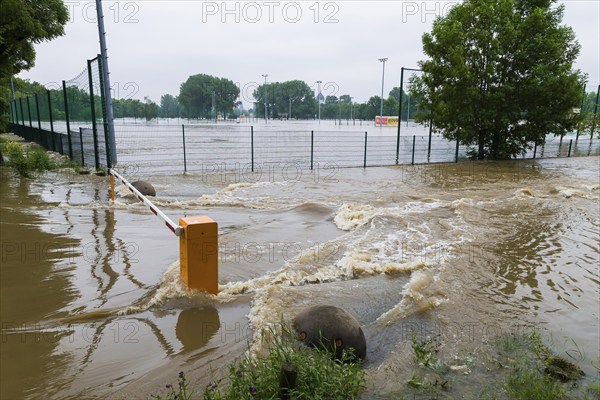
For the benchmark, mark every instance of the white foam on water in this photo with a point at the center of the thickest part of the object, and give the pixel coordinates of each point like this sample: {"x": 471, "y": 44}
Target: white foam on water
{"x": 123, "y": 191}
{"x": 528, "y": 193}
{"x": 569, "y": 192}
{"x": 351, "y": 216}
{"x": 95, "y": 205}
{"x": 375, "y": 245}
{"x": 172, "y": 287}
{"x": 422, "y": 293}
{"x": 230, "y": 197}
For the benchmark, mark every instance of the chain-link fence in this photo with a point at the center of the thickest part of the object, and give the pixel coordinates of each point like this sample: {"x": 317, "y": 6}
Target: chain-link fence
{"x": 166, "y": 149}
{"x": 71, "y": 120}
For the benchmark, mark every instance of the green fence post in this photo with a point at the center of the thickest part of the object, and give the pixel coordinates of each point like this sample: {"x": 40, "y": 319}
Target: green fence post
{"x": 51, "y": 121}
{"x": 594, "y": 116}
{"x": 456, "y": 152}
{"x": 64, "y": 85}
{"x": 580, "y": 113}
{"x": 12, "y": 120}
{"x": 93, "y": 109}
{"x": 429, "y": 143}
{"x": 104, "y": 113}
{"x": 39, "y": 120}
{"x": 184, "y": 156}
{"x": 29, "y": 112}
{"x": 252, "y": 147}
{"x": 312, "y": 146}
{"x": 37, "y": 111}
{"x": 570, "y": 144}
{"x": 413, "y": 150}
{"x": 399, "y": 115}
{"x": 543, "y": 148}
{"x": 365, "y": 156}
{"x": 560, "y": 144}
{"x": 81, "y": 145}
{"x": 22, "y": 112}
{"x": 13, "y": 114}
{"x": 534, "y": 149}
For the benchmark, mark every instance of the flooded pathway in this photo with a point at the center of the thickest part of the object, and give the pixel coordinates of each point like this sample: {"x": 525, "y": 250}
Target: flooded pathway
{"x": 91, "y": 304}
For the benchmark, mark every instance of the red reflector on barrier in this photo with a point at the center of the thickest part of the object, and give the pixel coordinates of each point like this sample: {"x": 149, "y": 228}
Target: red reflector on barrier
{"x": 170, "y": 227}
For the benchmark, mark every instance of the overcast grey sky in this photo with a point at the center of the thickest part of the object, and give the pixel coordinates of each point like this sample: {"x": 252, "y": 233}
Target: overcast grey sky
{"x": 154, "y": 45}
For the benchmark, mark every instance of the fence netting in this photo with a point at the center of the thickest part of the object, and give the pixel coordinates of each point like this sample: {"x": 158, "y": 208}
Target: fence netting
{"x": 68, "y": 118}
{"x": 170, "y": 149}
{"x": 71, "y": 119}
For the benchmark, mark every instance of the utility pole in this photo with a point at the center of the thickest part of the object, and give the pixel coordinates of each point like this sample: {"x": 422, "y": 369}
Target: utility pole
{"x": 106, "y": 76}
{"x": 266, "y": 117}
{"x": 383, "y": 60}
{"x": 319, "y": 100}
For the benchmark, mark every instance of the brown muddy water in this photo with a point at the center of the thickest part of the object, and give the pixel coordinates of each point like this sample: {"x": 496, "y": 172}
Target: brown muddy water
{"x": 92, "y": 307}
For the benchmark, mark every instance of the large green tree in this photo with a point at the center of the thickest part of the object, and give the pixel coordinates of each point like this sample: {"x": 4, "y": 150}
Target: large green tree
{"x": 169, "y": 106}
{"x": 281, "y": 96}
{"x": 500, "y": 75}
{"x": 24, "y": 23}
{"x": 197, "y": 92}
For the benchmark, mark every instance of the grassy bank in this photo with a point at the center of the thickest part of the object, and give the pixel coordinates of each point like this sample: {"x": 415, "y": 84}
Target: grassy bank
{"x": 29, "y": 158}
{"x": 318, "y": 376}
{"x": 521, "y": 367}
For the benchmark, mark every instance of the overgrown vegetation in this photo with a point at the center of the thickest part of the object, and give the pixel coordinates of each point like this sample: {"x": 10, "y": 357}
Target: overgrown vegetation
{"x": 26, "y": 160}
{"x": 521, "y": 368}
{"x": 319, "y": 376}
{"x": 536, "y": 373}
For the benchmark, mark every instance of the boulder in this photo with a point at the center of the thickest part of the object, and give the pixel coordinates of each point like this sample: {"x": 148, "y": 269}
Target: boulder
{"x": 144, "y": 188}
{"x": 331, "y": 328}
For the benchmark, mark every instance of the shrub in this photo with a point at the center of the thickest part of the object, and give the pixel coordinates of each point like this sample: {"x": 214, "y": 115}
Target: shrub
{"x": 25, "y": 160}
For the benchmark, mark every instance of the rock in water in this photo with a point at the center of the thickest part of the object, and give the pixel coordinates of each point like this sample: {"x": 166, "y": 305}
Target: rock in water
{"x": 332, "y": 328}
{"x": 144, "y": 188}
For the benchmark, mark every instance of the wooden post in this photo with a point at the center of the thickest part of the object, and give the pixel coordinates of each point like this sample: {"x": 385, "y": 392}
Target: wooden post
{"x": 287, "y": 380}
{"x": 112, "y": 188}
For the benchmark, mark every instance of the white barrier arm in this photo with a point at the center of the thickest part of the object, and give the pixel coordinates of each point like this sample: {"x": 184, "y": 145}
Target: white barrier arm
{"x": 176, "y": 229}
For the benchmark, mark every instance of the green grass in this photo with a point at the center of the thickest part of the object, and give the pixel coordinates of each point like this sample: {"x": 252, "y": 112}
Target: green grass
{"x": 319, "y": 376}
{"x": 527, "y": 383}
{"x": 25, "y": 160}
{"x": 426, "y": 350}
{"x": 535, "y": 372}
{"x": 519, "y": 367}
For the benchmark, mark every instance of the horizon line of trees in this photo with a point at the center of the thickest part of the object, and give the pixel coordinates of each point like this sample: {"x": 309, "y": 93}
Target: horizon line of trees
{"x": 196, "y": 100}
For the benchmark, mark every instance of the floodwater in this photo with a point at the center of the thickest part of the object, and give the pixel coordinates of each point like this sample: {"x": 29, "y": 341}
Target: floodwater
{"x": 92, "y": 307}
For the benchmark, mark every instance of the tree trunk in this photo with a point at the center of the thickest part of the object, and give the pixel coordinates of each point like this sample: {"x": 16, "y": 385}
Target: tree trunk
{"x": 481, "y": 147}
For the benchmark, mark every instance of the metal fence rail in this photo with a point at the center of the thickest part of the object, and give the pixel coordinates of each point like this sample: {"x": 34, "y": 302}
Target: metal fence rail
{"x": 167, "y": 149}
{"x": 164, "y": 149}
{"x": 70, "y": 120}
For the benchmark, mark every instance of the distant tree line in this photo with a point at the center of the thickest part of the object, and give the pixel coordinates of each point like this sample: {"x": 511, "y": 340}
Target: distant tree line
{"x": 204, "y": 96}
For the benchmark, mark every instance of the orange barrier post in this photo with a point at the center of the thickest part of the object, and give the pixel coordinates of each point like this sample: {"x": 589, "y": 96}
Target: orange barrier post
{"x": 198, "y": 253}
{"x": 198, "y": 244}
{"x": 112, "y": 188}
